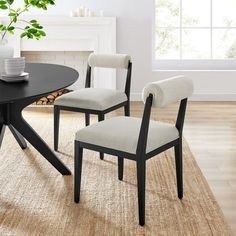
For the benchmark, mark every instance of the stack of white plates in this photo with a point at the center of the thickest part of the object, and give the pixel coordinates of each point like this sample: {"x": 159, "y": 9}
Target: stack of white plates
{"x": 15, "y": 78}
{"x": 14, "y": 66}
{"x": 14, "y": 70}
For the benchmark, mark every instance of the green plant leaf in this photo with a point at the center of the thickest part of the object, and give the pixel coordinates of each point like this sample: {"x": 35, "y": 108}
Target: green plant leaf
{"x": 2, "y": 27}
{"x": 10, "y": 28}
{"x": 37, "y": 26}
{"x": 29, "y": 35}
{"x": 14, "y": 18}
{"x": 3, "y": 7}
{"x": 42, "y": 33}
{"x": 24, "y": 34}
{"x": 33, "y": 21}
{"x": 10, "y": 1}
{"x": 32, "y": 31}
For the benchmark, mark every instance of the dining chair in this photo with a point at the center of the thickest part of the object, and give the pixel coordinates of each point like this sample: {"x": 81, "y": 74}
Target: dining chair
{"x": 97, "y": 101}
{"x": 139, "y": 139}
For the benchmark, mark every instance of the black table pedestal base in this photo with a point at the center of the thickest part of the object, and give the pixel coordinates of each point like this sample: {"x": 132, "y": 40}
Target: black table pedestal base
{"x": 10, "y": 115}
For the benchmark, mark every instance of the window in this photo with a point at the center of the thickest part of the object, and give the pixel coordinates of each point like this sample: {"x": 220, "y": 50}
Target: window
{"x": 195, "y": 34}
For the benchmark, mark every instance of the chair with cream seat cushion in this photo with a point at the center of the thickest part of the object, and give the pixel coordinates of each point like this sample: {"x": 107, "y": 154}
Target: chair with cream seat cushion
{"x": 92, "y": 98}
{"x": 139, "y": 139}
{"x": 97, "y": 101}
{"x": 128, "y": 128}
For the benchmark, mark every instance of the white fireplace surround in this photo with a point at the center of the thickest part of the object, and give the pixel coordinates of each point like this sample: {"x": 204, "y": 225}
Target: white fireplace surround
{"x": 74, "y": 34}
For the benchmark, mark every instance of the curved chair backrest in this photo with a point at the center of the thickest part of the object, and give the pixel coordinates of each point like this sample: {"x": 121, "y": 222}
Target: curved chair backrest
{"x": 168, "y": 91}
{"x": 160, "y": 94}
{"x": 109, "y": 60}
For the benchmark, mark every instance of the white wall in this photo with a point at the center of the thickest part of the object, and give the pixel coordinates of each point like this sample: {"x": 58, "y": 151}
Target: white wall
{"x": 134, "y": 36}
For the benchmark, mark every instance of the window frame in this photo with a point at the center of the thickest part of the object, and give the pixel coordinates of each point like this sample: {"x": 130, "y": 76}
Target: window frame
{"x": 190, "y": 64}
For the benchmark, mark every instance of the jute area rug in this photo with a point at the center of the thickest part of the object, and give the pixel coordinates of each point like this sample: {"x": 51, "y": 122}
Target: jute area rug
{"x": 36, "y": 200}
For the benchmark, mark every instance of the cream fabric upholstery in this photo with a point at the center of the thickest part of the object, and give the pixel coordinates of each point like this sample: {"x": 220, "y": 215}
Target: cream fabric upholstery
{"x": 92, "y": 98}
{"x": 121, "y": 133}
{"x": 109, "y": 60}
{"x": 168, "y": 91}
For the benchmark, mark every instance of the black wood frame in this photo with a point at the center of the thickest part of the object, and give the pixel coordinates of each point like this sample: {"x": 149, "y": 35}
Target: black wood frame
{"x": 140, "y": 157}
{"x": 87, "y": 112}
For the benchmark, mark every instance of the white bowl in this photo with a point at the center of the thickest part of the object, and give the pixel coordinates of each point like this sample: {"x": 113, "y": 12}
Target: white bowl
{"x": 14, "y": 73}
{"x": 14, "y": 66}
{"x": 15, "y": 59}
{"x": 14, "y": 62}
{"x": 17, "y": 70}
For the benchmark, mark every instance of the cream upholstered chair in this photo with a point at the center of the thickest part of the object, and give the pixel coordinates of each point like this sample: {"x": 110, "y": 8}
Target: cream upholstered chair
{"x": 96, "y": 100}
{"x": 139, "y": 139}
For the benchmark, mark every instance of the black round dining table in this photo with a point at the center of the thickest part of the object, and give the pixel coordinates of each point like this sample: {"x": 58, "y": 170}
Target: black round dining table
{"x": 14, "y": 97}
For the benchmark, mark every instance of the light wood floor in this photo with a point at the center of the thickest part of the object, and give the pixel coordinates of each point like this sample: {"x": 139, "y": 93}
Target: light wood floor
{"x": 210, "y": 130}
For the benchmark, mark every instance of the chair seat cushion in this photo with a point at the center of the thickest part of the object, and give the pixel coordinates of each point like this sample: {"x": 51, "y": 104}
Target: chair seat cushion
{"x": 121, "y": 133}
{"x": 92, "y": 98}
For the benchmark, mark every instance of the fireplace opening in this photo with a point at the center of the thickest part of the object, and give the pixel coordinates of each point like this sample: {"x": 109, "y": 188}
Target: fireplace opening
{"x": 77, "y": 60}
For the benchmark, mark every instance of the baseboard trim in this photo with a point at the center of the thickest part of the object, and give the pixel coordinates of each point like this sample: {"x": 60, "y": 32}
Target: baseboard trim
{"x": 197, "y": 97}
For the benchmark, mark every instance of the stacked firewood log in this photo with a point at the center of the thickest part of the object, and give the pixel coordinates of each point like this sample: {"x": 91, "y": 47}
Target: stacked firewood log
{"x": 49, "y": 99}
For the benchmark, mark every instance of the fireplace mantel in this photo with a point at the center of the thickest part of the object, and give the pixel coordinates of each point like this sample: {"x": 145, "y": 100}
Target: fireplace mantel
{"x": 95, "y": 34}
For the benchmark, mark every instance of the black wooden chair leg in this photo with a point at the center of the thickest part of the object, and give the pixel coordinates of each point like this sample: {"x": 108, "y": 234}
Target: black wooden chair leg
{"x": 127, "y": 109}
{"x": 101, "y": 155}
{"x": 120, "y": 168}
{"x": 101, "y": 117}
{"x": 141, "y": 175}
{"x": 179, "y": 169}
{"x": 2, "y": 131}
{"x": 19, "y": 138}
{"x": 56, "y": 126}
{"x": 87, "y": 119}
{"x": 78, "y": 169}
